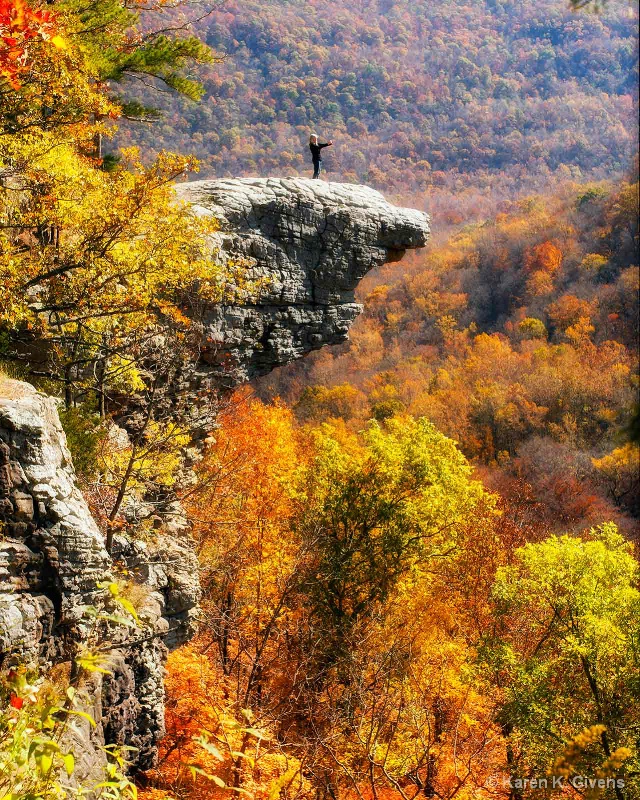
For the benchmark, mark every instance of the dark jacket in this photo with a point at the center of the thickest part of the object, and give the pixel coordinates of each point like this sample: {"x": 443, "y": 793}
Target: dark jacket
{"x": 315, "y": 151}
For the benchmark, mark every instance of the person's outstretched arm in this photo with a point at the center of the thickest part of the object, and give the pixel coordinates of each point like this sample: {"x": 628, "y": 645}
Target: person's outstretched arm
{"x": 326, "y": 144}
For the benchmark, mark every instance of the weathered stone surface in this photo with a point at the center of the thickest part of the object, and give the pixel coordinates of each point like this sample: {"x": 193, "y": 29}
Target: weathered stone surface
{"x": 309, "y": 243}
{"x": 168, "y": 570}
{"x": 52, "y": 555}
{"x": 52, "y": 560}
{"x": 133, "y": 700}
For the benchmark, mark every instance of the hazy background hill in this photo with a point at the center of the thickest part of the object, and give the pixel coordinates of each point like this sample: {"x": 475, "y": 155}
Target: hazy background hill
{"x": 430, "y": 95}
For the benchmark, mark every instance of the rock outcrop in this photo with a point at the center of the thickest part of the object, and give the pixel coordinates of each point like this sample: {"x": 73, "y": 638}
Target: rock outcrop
{"x": 53, "y": 563}
{"x": 52, "y": 553}
{"x": 308, "y": 244}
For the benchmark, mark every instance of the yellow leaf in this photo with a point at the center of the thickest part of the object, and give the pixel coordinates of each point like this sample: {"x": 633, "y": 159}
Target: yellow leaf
{"x": 255, "y": 732}
{"x": 69, "y": 763}
{"x": 45, "y": 762}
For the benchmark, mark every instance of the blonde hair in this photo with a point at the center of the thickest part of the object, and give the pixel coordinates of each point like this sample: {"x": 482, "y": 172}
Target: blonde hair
{"x": 313, "y": 138}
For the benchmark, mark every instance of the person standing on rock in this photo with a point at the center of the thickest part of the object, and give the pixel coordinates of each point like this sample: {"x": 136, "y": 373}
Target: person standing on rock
{"x": 315, "y": 153}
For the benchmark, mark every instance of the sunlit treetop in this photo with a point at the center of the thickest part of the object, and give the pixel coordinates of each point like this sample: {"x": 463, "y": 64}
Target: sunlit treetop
{"x": 88, "y": 248}
{"x": 59, "y": 63}
{"x": 117, "y": 45}
{"x": 22, "y": 27}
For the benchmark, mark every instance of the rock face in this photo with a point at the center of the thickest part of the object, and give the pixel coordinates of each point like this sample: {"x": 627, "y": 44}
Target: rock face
{"x": 52, "y": 562}
{"x": 52, "y": 554}
{"x": 308, "y": 244}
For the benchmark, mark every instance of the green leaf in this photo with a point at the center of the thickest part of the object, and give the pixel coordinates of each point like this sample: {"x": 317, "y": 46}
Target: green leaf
{"x": 209, "y": 747}
{"x": 118, "y": 620}
{"x": 45, "y": 762}
{"x": 128, "y": 606}
{"x": 91, "y": 662}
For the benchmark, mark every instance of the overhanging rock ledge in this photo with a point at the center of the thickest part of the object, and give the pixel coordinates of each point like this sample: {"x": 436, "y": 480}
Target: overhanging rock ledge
{"x": 308, "y": 243}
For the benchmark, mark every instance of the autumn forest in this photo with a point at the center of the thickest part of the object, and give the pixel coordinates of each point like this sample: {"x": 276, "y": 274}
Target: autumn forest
{"x": 416, "y": 550}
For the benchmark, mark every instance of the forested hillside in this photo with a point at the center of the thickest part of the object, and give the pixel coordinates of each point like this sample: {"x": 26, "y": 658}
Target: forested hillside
{"x": 518, "y": 337}
{"x": 415, "y": 94}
